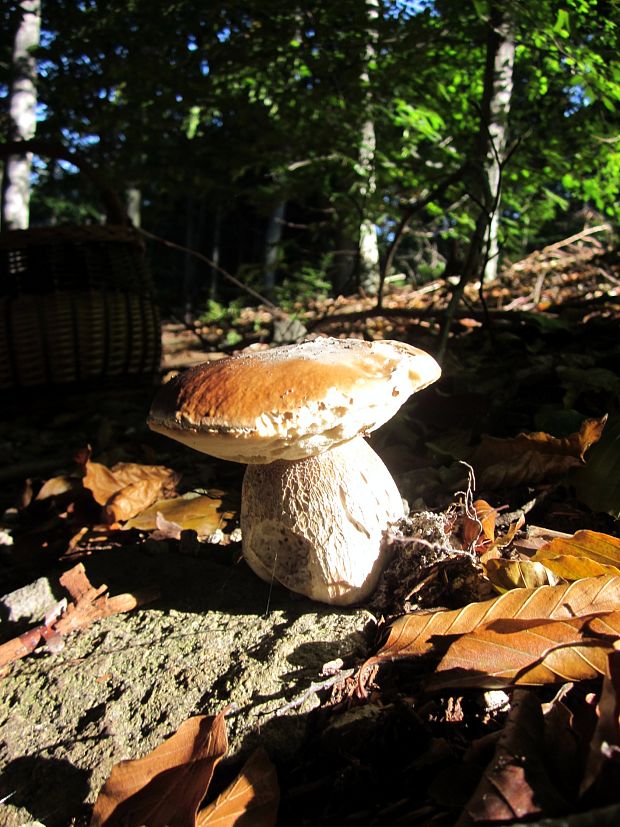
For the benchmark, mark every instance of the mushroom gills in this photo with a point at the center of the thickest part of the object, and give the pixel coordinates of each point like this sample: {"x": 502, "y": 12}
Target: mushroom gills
{"x": 317, "y": 525}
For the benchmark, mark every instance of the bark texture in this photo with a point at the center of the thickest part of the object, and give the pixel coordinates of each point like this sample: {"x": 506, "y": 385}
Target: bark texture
{"x": 22, "y": 117}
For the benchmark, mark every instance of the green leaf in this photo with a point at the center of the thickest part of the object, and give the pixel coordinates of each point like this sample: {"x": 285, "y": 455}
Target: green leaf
{"x": 562, "y": 23}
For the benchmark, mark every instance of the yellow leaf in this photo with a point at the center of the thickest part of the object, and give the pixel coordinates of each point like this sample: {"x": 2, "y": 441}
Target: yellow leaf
{"x": 575, "y": 568}
{"x": 592, "y": 545}
{"x": 204, "y": 514}
{"x": 519, "y": 574}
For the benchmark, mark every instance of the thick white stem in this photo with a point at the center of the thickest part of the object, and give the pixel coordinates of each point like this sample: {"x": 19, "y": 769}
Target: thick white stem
{"x": 317, "y": 525}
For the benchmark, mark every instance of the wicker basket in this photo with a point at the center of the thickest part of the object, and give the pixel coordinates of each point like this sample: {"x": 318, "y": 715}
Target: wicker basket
{"x": 76, "y": 303}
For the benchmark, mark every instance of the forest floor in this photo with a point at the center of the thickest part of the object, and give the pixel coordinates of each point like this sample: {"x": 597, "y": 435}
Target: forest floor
{"x": 350, "y": 718}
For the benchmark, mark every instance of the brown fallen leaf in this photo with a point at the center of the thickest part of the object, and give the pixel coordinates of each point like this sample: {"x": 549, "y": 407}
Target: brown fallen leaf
{"x": 479, "y": 528}
{"x": 515, "y": 784}
{"x": 417, "y": 634}
{"x": 127, "y": 488}
{"x": 165, "y": 787}
{"x": 531, "y": 457}
{"x": 250, "y": 801}
{"x": 605, "y": 744}
{"x": 505, "y": 653}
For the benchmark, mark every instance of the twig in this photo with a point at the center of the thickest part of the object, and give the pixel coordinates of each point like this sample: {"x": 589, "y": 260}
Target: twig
{"x": 600, "y": 228}
{"x": 314, "y": 687}
{"x": 271, "y": 307}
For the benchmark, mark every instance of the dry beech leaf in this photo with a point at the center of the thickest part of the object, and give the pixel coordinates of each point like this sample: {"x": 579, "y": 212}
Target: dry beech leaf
{"x": 56, "y": 486}
{"x": 105, "y": 483}
{"x": 515, "y": 784}
{"x": 589, "y": 552}
{"x": 165, "y": 787}
{"x": 479, "y": 530}
{"x": 519, "y": 574}
{"x": 575, "y": 568}
{"x": 531, "y": 457}
{"x": 203, "y": 514}
{"x": 131, "y": 500}
{"x": 250, "y": 801}
{"x": 417, "y": 634}
{"x": 605, "y": 742}
{"x": 505, "y": 652}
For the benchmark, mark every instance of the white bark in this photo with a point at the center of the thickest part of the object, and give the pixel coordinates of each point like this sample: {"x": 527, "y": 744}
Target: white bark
{"x": 368, "y": 242}
{"x": 22, "y": 116}
{"x": 500, "y": 94}
{"x": 273, "y": 237}
{"x": 134, "y": 205}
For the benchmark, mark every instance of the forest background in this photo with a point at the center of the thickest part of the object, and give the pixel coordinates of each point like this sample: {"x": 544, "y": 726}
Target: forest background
{"x": 320, "y": 148}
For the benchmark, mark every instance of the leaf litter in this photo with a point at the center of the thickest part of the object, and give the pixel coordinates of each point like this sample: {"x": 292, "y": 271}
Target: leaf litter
{"x": 555, "y": 620}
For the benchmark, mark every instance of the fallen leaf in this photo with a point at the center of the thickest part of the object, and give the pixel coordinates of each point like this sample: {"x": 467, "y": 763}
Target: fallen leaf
{"x": 127, "y": 488}
{"x": 519, "y": 574}
{"x": 605, "y": 743}
{"x": 531, "y": 457}
{"x": 505, "y": 653}
{"x": 515, "y": 784}
{"x": 165, "y": 787}
{"x": 479, "y": 528}
{"x": 250, "y": 801}
{"x": 203, "y": 513}
{"x": 131, "y": 500}
{"x": 417, "y": 634}
{"x": 56, "y": 486}
{"x": 586, "y": 553}
{"x": 598, "y": 484}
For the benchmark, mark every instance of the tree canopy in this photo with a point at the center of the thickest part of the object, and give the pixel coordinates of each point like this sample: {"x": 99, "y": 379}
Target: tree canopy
{"x": 221, "y": 112}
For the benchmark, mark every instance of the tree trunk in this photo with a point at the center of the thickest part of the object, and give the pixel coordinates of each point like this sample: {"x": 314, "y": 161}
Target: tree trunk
{"x": 216, "y": 242}
{"x": 193, "y": 235}
{"x": 369, "y": 271}
{"x": 273, "y": 237}
{"x": 482, "y": 254}
{"x": 498, "y": 84}
{"x": 22, "y": 117}
{"x": 133, "y": 198}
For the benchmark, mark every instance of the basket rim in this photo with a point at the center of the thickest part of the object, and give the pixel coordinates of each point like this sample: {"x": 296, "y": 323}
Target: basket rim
{"x": 65, "y": 233}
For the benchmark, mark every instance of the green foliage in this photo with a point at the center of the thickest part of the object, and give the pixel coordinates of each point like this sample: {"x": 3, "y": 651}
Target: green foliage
{"x": 262, "y": 102}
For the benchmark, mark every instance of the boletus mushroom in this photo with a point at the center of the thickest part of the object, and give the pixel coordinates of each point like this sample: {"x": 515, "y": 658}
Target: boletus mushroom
{"x": 316, "y": 499}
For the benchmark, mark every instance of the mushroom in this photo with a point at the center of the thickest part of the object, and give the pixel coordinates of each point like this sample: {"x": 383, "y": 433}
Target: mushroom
{"x": 316, "y": 499}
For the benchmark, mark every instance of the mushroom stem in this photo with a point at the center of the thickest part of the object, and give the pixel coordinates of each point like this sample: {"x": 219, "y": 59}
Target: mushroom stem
{"x": 317, "y": 525}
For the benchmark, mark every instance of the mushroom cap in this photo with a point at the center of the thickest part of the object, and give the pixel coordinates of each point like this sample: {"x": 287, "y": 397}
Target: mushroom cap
{"x": 290, "y": 402}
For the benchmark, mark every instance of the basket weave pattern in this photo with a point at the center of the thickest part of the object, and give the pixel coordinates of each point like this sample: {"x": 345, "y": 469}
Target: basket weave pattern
{"x": 76, "y": 304}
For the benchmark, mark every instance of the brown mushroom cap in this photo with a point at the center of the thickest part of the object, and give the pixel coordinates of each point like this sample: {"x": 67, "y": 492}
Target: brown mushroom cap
{"x": 290, "y": 402}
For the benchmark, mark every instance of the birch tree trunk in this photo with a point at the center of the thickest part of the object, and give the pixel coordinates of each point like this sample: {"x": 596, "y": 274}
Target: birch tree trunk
{"x": 133, "y": 198}
{"x": 498, "y": 85}
{"x": 22, "y": 117}
{"x": 369, "y": 270}
{"x": 273, "y": 237}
